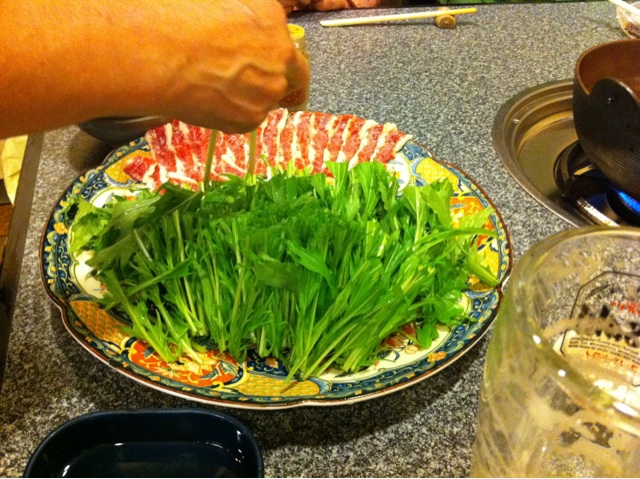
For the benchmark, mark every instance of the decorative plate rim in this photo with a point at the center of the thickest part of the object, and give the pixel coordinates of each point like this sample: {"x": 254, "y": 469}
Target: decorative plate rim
{"x": 64, "y": 306}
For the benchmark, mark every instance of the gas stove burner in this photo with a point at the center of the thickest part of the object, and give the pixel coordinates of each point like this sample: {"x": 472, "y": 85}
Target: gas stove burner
{"x": 590, "y": 192}
{"x": 576, "y": 176}
{"x": 534, "y": 136}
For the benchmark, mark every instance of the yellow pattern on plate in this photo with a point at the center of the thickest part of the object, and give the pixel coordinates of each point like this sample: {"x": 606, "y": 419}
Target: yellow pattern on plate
{"x": 264, "y": 386}
{"x": 99, "y": 322}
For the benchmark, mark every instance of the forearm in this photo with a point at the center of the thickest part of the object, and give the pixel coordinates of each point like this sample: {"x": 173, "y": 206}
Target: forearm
{"x": 62, "y": 63}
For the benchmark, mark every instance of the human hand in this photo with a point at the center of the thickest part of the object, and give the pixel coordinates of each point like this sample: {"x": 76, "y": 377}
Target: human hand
{"x": 234, "y": 61}
{"x": 219, "y": 64}
{"x": 290, "y": 5}
{"x": 326, "y": 5}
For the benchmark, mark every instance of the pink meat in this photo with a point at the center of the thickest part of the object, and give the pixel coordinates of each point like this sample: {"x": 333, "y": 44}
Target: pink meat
{"x": 335, "y": 143}
{"x": 138, "y": 166}
{"x": 353, "y": 140}
{"x": 271, "y": 136}
{"x": 369, "y": 143}
{"x": 198, "y": 139}
{"x": 393, "y": 143}
{"x": 160, "y": 144}
{"x": 308, "y": 139}
{"x": 286, "y": 141}
{"x": 303, "y": 141}
{"x": 260, "y": 165}
{"x": 323, "y": 127}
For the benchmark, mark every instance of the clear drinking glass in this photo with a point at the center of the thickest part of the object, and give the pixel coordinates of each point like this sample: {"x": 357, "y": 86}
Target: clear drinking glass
{"x": 561, "y": 389}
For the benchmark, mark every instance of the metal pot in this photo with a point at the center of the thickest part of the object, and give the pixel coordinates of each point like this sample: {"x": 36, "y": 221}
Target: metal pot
{"x": 606, "y": 111}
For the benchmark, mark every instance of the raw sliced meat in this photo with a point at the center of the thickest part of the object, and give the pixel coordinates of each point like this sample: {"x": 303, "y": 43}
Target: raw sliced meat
{"x": 389, "y": 145}
{"x": 368, "y": 145}
{"x": 323, "y": 126}
{"x": 274, "y": 125}
{"x": 334, "y": 146}
{"x": 305, "y": 139}
{"x": 356, "y": 132}
{"x": 287, "y": 140}
{"x": 138, "y": 166}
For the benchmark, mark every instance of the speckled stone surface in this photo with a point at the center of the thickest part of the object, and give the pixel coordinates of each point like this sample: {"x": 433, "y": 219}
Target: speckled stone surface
{"x": 442, "y": 86}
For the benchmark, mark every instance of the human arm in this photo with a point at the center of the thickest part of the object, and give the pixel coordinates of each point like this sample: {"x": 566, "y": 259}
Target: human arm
{"x": 216, "y": 63}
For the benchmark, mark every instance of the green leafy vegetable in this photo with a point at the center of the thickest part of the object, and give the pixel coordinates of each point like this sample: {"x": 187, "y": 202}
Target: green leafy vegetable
{"x": 316, "y": 273}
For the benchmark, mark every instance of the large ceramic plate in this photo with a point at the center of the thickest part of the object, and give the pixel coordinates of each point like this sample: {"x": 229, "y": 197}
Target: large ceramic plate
{"x": 259, "y": 383}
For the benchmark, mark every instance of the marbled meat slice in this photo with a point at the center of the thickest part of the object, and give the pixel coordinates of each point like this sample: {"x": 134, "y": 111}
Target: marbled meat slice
{"x": 166, "y": 143}
{"x": 229, "y": 156}
{"x": 389, "y": 144}
{"x": 354, "y": 135}
{"x": 303, "y": 149}
{"x": 322, "y": 128}
{"x": 238, "y": 150}
{"x": 160, "y": 142}
{"x": 147, "y": 171}
{"x": 198, "y": 139}
{"x": 288, "y": 140}
{"x": 270, "y": 138}
{"x": 306, "y": 139}
{"x": 260, "y": 167}
{"x": 295, "y": 140}
{"x": 332, "y": 150}
{"x": 368, "y": 145}
{"x": 141, "y": 168}
{"x": 189, "y": 168}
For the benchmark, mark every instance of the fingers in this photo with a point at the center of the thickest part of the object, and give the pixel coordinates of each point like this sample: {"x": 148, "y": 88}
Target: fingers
{"x": 289, "y": 5}
{"x": 254, "y": 92}
{"x": 248, "y": 97}
{"x": 227, "y": 117}
{"x": 326, "y": 5}
{"x": 241, "y": 70}
{"x": 298, "y": 73}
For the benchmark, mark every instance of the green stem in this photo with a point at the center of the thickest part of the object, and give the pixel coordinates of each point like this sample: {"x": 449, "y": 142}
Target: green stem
{"x": 253, "y": 140}
{"x": 210, "y": 152}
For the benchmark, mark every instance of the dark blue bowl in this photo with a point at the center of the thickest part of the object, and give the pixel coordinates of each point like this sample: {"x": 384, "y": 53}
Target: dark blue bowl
{"x": 117, "y": 131}
{"x": 149, "y": 443}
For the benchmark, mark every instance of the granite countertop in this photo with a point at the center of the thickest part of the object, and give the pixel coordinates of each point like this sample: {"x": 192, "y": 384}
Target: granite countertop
{"x": 442, "y": 86}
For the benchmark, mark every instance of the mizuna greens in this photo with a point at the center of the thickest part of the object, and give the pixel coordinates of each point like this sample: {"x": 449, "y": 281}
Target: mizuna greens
{"x": 312, "y": 271}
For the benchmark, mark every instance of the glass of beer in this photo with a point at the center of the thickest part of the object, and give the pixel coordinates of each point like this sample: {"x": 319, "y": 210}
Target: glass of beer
{"x": 561, "y": 389}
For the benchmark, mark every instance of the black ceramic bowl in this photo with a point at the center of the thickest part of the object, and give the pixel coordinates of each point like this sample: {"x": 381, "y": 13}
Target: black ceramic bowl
{"x": 149, "y": 443}
{"x": 120, "y": 130}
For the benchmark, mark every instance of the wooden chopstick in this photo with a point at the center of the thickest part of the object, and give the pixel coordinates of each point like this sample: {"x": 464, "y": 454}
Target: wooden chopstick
{"x": 394, "y": 18}
{"x": 624, "y": 6}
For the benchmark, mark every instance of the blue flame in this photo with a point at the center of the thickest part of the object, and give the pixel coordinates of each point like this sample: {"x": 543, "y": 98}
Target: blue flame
{"x": 630, "y": 201}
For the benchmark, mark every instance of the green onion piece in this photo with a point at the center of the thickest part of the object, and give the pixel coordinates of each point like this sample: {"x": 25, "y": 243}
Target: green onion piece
{"x": 252, "y": 152}
{"x": 210, "y": 152}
